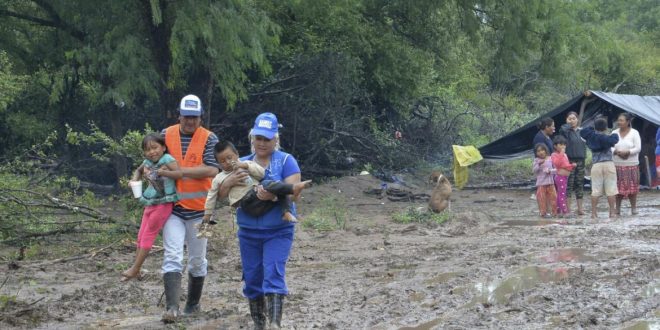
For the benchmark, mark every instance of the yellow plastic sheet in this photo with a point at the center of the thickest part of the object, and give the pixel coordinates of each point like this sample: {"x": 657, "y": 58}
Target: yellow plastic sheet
{"x": 464, "y": 156}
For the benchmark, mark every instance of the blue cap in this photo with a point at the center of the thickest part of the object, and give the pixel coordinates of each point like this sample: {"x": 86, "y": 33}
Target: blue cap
{"x": 190, "y": 106}
{"x": 265, "y": 125}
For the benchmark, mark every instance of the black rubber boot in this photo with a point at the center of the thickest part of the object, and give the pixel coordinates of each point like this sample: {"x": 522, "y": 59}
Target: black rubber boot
{"x": 195, "y": 285}
{"x": 275, "y": 305}
{"x": 257, "y": 312}
{"x": 172, "y": 282}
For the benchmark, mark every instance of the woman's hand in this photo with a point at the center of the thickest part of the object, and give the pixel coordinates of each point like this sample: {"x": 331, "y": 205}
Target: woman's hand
{"x": 622, "y": 153}
{"x": 264, "y": 195}
{"x": 236, "y": 178}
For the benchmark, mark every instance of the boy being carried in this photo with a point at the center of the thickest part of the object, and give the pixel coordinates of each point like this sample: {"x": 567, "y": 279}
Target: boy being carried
{"x": 245, "y": 196}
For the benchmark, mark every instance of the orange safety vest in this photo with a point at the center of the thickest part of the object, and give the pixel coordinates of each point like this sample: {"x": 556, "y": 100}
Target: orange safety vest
{"x": 192, "y": 192}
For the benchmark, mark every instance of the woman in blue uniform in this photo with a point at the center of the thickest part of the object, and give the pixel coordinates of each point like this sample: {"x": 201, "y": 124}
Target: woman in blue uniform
{"x": 265, "y": 241}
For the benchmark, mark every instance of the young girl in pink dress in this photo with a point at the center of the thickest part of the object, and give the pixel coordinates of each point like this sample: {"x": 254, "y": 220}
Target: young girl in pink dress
{"x": 564, "y": 168}
{"x": 546, "y": 195}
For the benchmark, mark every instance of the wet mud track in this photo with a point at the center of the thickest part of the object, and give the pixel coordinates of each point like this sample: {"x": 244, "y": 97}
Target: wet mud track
{"x": 492, "y": 265}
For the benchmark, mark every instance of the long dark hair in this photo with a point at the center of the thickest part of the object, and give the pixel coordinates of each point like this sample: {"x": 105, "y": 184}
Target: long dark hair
{"x": 629, "y": 117}
{"x": 153, "y": 137}
{"x": 541, "y": 146}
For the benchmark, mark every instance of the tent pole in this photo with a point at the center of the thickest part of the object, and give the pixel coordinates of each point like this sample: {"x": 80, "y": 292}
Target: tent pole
{"x": 648, "y": 172}
{"x": 588, "y": 99}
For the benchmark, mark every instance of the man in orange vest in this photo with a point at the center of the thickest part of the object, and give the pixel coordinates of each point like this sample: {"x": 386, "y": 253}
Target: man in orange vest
{"x": 192, "y": 147}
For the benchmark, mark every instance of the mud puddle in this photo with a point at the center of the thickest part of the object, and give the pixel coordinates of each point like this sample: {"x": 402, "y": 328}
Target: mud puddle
{"x": 533, "y": 223}
{"x": 581, "y": 255}
{"x": 425, "y": 326}
{"x": 499, "y": 292}
{"x": 645, "y": 325}
{"x": 441, "y": 278}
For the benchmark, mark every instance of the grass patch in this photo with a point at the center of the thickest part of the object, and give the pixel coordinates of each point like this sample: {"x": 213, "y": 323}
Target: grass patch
{"x": 504, "y": 171}
{"x": 330, "y": 214}
{"x": 415, "y": 215}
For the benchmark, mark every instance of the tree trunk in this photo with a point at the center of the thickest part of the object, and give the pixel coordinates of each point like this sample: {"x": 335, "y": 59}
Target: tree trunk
{"x": 210, "y": 86}
{"x": 160, "y": 52}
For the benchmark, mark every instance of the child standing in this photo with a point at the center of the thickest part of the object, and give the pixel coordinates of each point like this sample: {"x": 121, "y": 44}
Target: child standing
{"x": 160, "y": 170}
{"x": 603, "y": 172}
{"x": 545, "y": 187}
{"x": 246, "y": 196}
{"x": 564, "y": 168}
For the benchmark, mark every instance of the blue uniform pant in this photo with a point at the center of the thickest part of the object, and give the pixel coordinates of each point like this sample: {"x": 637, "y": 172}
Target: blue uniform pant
{"x": 264, "y": 253}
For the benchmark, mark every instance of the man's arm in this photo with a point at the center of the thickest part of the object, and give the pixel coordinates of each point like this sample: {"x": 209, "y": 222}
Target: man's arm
{"x": 199, "y": 172}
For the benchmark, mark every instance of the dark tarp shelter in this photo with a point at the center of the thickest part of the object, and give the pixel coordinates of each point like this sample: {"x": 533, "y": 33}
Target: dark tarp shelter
{"x": 518, "y": 143}
{"x": 646, "y": 109}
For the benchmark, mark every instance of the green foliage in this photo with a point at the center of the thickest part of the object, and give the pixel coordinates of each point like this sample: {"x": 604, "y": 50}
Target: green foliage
{"x": 129, "y": 145}
{"x": 10, "y": 84}
{"x": 330, "y": 213}
{"x": 342, "y": 75}
{"x": 518, "y": 170}
{"x": 221, "y": 40}
{"x": 417, "y": 215}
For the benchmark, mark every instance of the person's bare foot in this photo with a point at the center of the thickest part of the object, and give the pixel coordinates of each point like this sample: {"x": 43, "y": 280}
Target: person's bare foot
{"x": 130, "y": 274}
{"x": 298, "y": 187}
{"x": 289, "y": 217}
{"x": 580, "y": 212}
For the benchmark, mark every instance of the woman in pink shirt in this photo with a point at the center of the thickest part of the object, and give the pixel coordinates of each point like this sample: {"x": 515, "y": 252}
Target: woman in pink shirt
{"x": 564, "y": 168}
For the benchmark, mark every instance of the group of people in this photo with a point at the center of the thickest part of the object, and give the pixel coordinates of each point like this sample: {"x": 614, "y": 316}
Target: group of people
{"x": 188, "y": 170}
{"x": 559, "y": 165}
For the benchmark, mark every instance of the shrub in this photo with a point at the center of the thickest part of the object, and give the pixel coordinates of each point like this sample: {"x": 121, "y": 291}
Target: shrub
{"x": 420, "y": 215}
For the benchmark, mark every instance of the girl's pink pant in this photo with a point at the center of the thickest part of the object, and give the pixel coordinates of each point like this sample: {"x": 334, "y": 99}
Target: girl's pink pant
{"x": 153, "y": 220}
{"x": 561, "y": 183}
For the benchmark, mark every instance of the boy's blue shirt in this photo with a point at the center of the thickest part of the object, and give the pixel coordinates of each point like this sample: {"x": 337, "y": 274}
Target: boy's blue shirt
{"x": 597, "y": 141}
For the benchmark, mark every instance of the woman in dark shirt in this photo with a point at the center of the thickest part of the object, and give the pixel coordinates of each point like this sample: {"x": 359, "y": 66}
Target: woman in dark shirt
{"x": 576, "y": 150}
{"x": 546, "y": 129}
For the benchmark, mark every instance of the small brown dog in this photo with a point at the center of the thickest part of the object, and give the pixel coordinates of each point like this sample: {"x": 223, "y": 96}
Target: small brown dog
{"x": 441, "y": 194}
{"x": 433, "y": 178}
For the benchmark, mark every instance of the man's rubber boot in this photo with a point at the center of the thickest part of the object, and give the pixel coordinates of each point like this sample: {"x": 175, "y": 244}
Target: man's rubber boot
{"x": 195, "y": 285}
{"x": 275, "y": 305}
{"x": 172, "y": 282}
{"x": 257, "y": 312}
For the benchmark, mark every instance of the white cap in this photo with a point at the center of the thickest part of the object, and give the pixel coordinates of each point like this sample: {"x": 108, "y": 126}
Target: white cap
{"x": 191, "y": 106}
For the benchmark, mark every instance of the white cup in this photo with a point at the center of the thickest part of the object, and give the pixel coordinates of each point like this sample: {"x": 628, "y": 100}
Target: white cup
{"x": 136, "y": 186}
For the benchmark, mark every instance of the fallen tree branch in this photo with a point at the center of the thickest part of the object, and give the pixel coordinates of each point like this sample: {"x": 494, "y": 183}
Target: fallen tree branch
{"x": 48, "y": 201}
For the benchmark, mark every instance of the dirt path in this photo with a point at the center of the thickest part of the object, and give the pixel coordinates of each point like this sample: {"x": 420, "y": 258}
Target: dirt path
{"x": 492, "y": 265}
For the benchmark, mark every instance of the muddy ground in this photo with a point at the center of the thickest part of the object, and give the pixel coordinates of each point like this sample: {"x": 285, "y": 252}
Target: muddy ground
{"x": 493, "y": 264}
